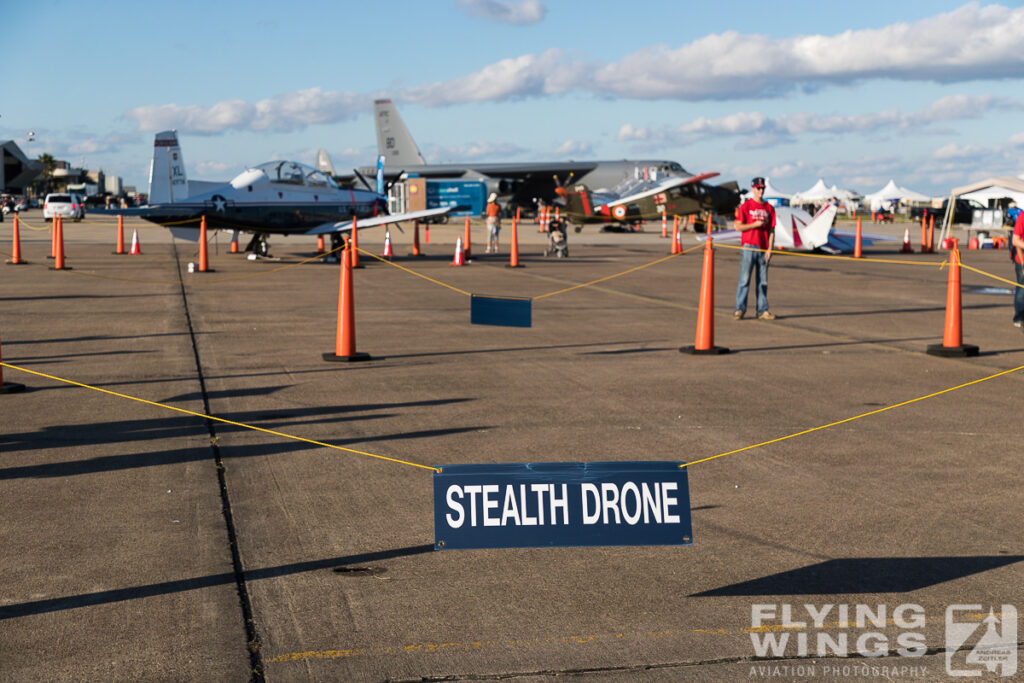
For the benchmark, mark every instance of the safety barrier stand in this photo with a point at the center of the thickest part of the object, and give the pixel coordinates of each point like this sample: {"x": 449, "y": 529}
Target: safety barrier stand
{"x": 15, "y": 259}
{"x": 513, "y": 251}
{"x": 119, "y": 242}
{"x": 952, "y": 345}
{"x": 704, "y": 341}
{"x": 345, "y": 339}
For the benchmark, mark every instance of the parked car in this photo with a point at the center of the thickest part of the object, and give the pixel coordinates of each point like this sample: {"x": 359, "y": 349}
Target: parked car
{"x": 63, "y": 205}
{"x": 963, "y": 212}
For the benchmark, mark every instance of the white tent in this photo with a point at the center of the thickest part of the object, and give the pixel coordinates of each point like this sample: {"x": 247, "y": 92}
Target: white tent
{"x": 990, "y": 188}
{"x": 773, "y": 195}
{"x": 994, "y": 188}
{"x": 893, "y": 193}
{"x": 819, "y": 192}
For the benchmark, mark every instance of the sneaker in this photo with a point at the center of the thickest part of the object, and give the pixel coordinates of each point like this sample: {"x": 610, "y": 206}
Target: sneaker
{"x": 767, "y": 315}
{"x": 1016, "y": 323}
{"x": 738, "y": 315}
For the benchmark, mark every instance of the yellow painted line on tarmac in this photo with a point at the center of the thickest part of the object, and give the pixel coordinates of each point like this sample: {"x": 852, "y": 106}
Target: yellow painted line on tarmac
{"x": 515, "y": 643}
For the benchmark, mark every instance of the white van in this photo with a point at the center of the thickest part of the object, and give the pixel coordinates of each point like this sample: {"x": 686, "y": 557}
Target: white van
{"x": 64, "y": 205}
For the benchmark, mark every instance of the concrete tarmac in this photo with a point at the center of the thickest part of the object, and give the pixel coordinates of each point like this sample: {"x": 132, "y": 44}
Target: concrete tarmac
{"x": 143, "y": 543}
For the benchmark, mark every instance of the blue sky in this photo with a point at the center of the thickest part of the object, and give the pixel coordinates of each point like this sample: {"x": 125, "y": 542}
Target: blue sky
{"x": 928, "y": 93}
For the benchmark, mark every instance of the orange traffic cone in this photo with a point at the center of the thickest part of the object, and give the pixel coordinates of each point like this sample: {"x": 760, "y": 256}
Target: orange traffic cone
{"x": 319, "y": 244}
{"x": 53, "y": 237}
{"x": 674, "y": 247}
{"x": 58, "y": 262}
{"x": 857, "y": 241}
{"x": 952, "y": 345}
{"x": 136, "y": 249}
{"x": 513, "y": 250}
{"x": 907, "y": 248}
{"x": 388, "y": 251}
{"x": 15, "y": 259}
{"x": 467, "y": 249}
{"x": 931, "y": 235}
{"x": 345, "y": 339}
{"x": 204, "y": 261}
{"x": 8, "y": 387}
{"x": 426, "y": 234}
{"x": 679, "y": 242}
{"x": 664, "y": 225}
{"x": 119, "y": 243}
{"x": 460, "y": 256}
{"x": 355, "y": 244}
{"x": 704, "y": 342}
{"x": 416, "y": 238}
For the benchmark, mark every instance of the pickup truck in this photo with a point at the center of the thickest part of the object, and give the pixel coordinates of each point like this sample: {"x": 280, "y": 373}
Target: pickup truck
{"x": 963, "y": 213}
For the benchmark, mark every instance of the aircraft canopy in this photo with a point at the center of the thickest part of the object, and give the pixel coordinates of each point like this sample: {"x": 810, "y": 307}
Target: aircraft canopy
{"x": 294, "y": 173}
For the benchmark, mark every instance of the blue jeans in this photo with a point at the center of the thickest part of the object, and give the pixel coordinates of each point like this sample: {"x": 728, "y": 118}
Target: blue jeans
{"x": 752, "y": 259}
{"x": 1018, "y": 293}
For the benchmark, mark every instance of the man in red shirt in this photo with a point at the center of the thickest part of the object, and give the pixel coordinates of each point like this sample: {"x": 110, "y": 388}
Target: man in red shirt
{"x": 755, "y": 219}
{"x": 1017, "y": 250}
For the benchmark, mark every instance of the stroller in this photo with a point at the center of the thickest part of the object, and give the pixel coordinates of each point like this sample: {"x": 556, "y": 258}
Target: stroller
{"x": 557, "y": 243}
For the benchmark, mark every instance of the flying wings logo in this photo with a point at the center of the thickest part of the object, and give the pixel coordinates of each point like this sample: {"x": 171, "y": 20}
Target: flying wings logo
{"x": 973, "y": 645}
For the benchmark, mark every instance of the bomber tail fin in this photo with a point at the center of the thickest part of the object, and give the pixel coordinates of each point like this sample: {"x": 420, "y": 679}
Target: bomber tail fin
{"x": 167, "y": 181}
{"x": 393, "y": 138}
{"x": 323, "y": 162}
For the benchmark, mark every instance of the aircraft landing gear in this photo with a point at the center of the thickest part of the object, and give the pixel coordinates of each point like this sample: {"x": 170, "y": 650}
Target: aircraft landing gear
{"x": 337, "y": 242}
{"x": 258, "y": 246}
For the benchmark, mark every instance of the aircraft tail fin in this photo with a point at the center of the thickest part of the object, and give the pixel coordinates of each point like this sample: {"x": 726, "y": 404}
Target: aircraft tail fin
{"x": 167, "y": 181}
{"x": 323, "y": 162}
{"x": 393, "y": 138}
{"x": 815, "y": 233}
{"x": 579, "y": 204}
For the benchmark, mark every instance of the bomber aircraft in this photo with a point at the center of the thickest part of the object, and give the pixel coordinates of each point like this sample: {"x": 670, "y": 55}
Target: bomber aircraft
{"x": 274, "y": 198}
{"x": 516, "y": 184}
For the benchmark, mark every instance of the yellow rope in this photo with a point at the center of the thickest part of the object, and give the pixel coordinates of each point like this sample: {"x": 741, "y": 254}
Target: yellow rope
{"x": 856, "y": 417}
{"x": 219, "y": 419}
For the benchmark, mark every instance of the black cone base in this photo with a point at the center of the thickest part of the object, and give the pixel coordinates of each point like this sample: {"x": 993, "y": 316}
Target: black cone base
{"x": 952, "y": 351}
{"x": 334, "y": 358}
{"x": 11, "y": 388}
{"x": 518, "y": 265}
{"x": 713, "y": 351}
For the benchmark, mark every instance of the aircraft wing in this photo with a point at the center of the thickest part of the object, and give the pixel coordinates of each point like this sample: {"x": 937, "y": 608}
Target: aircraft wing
{"x": 345, "y": 226}
{"x": 663, "y": 186}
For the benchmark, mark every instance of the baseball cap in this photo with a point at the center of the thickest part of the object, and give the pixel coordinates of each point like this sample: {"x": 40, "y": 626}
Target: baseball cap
{"x": 757, "y": 182}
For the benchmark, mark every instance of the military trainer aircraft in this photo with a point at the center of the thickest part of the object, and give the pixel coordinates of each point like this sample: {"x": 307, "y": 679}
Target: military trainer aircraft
{"x": 640, "y": 199}
{"x": 274, "y": 198}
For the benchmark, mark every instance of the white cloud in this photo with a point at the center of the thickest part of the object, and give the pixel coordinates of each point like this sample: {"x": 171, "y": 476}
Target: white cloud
{"x": 1017, "y": 140}
{"x": 473, "y": 152}
{"x": 629, "y": 132}
{"x": 286, "y": 112}
{"x": 520, "y": 13}
{"x": 955, "y": 151}
{"x": 573, "y": 148}
{"x": 518, "y": 77}
{"x": 760, "y": 130}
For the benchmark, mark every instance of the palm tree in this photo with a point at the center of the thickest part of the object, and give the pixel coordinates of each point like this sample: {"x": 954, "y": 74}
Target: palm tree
{"x": 49, "y": 163}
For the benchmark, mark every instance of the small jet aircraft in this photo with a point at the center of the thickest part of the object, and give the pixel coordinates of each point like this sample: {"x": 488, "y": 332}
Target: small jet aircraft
{"x": 274, "y": 198}
{"x": 636, "y": 200}
{"x": 797, "y": 230}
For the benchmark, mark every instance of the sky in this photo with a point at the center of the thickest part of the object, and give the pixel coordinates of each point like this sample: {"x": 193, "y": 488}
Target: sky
{"x": 929, "y": 93}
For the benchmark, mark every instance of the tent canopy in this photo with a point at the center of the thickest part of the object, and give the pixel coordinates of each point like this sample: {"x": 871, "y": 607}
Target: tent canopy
{"x": 992, "y": 188}
{"x": 818, "y": 191}
{"x": 893, "y": 193}
{"x": 772, "y": 192}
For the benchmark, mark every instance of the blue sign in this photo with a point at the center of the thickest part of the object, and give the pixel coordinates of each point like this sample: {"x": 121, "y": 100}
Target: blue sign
{"x": 509, "y": 311}
{"x": 561, "y": 504}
